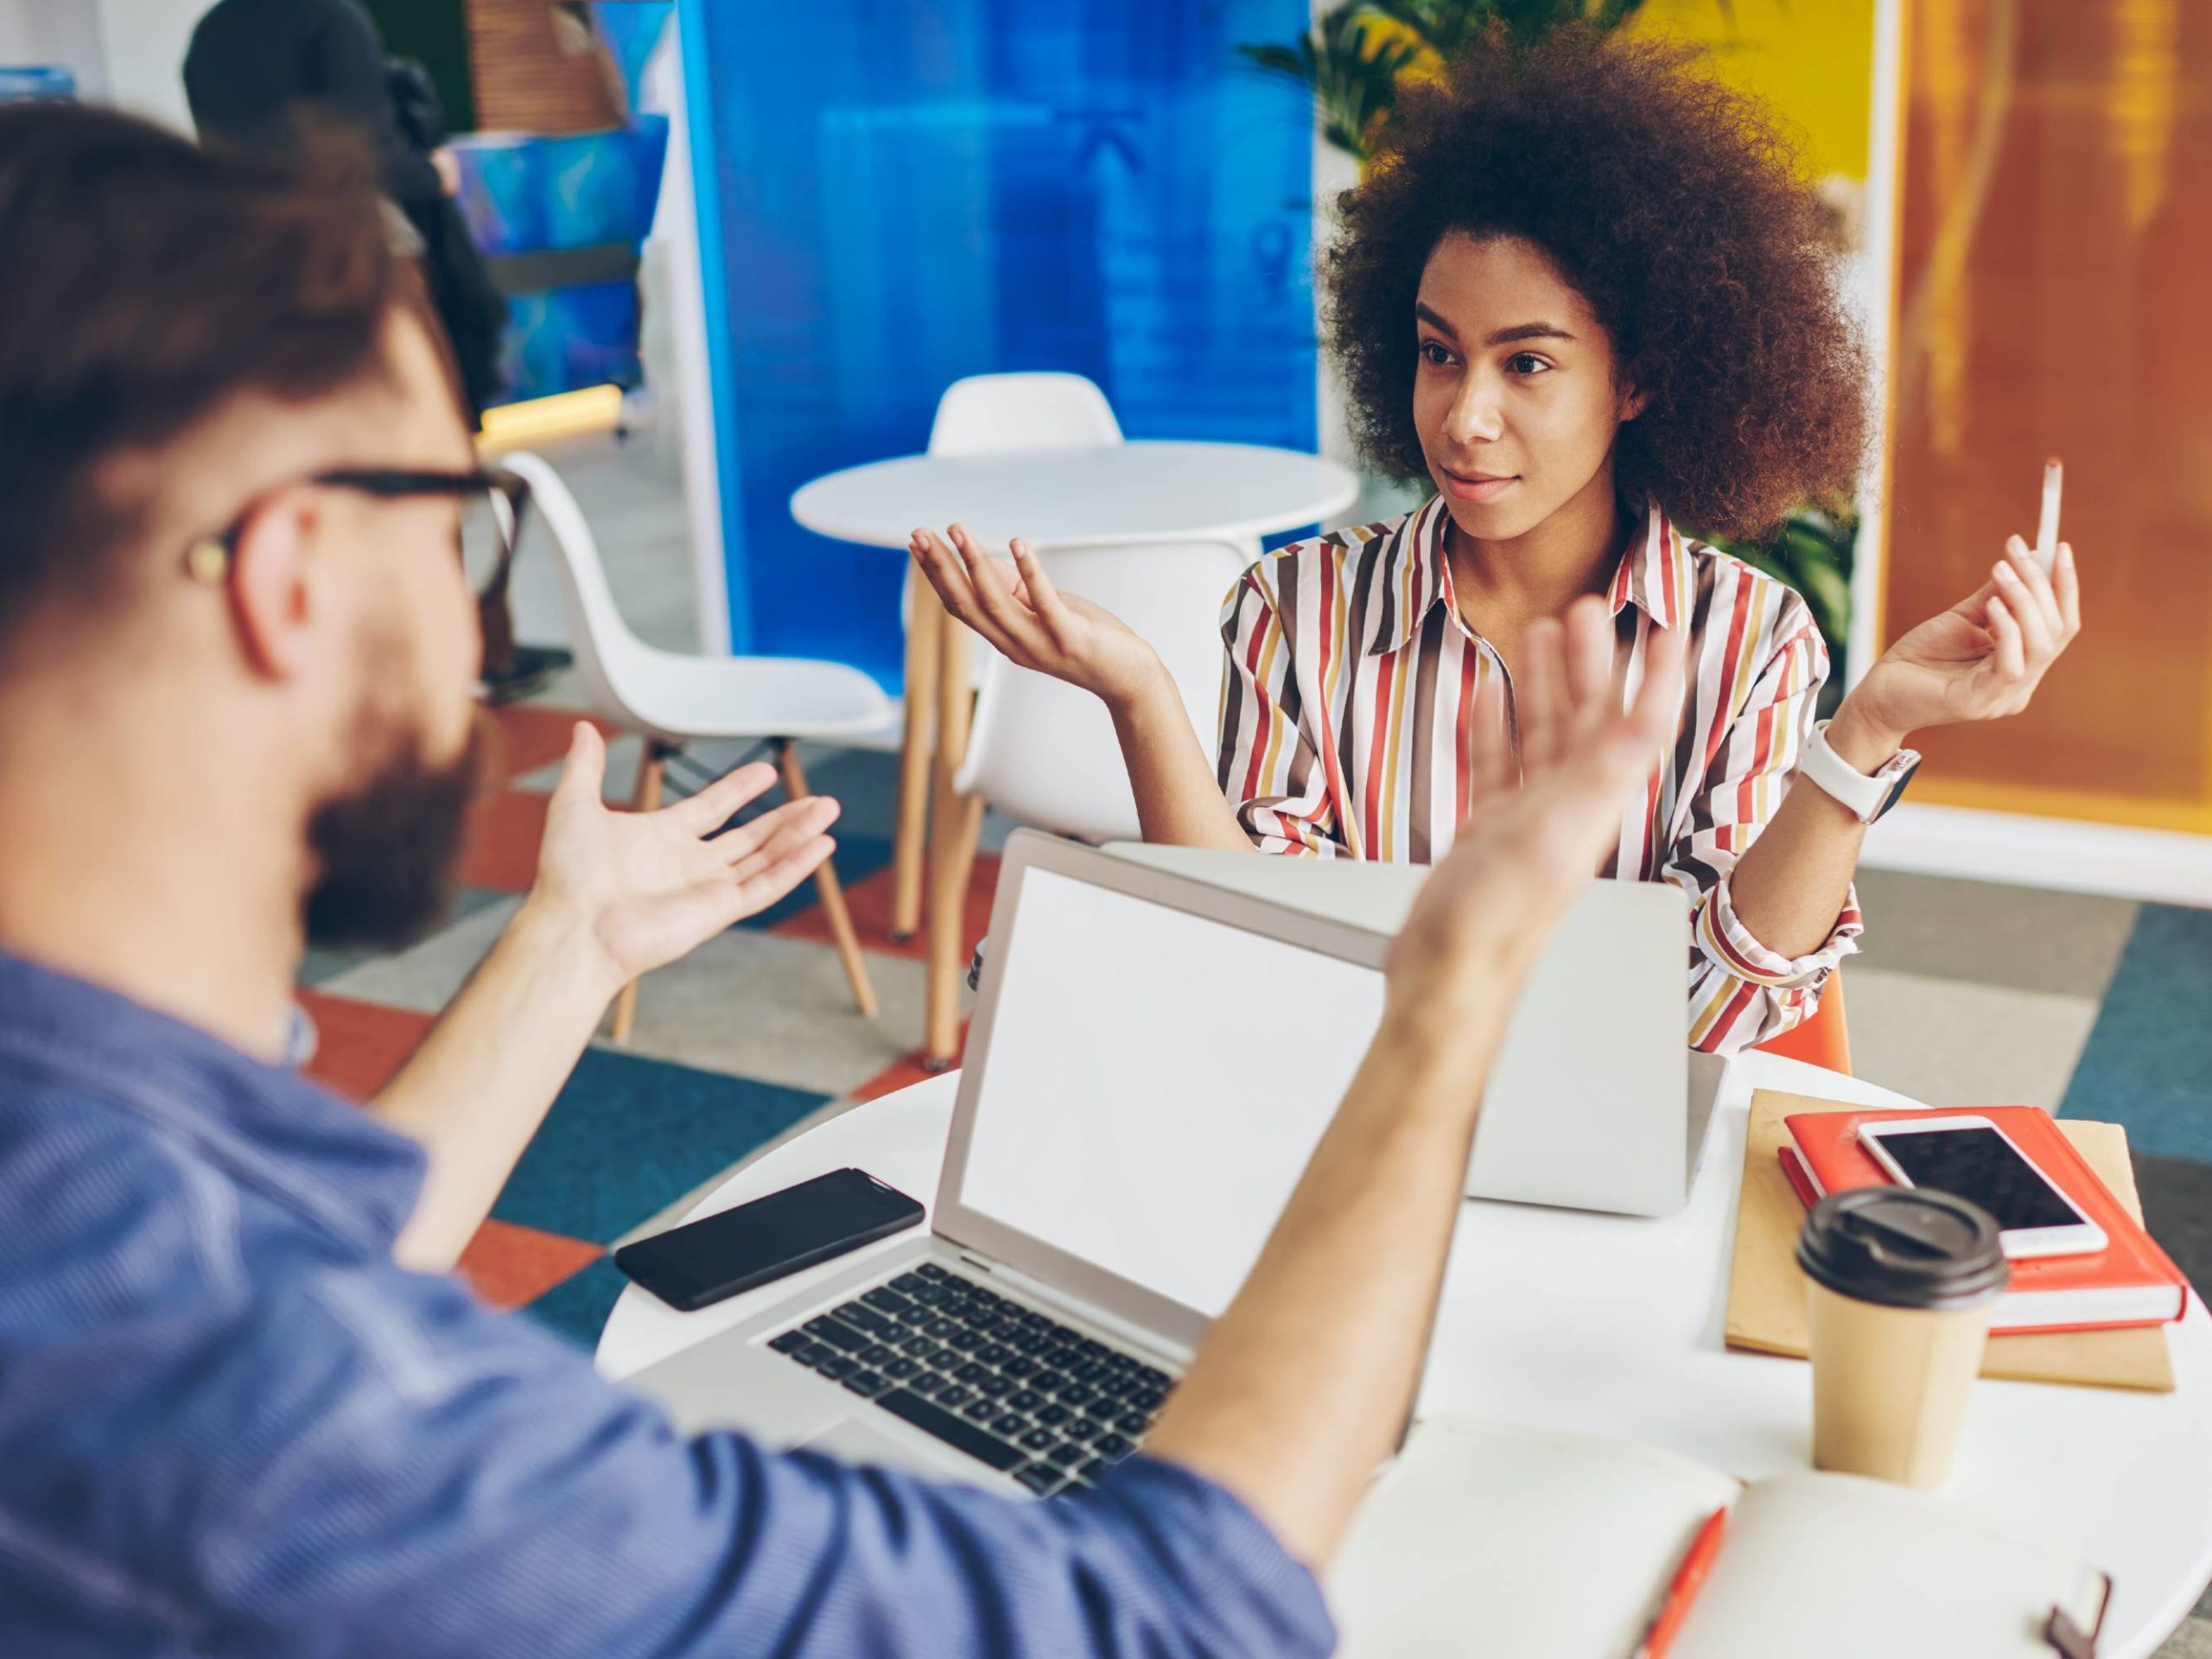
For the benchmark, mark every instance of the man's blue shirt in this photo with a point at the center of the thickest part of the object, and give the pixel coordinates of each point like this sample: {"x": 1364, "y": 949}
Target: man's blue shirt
{"x": 230, "y": 1425}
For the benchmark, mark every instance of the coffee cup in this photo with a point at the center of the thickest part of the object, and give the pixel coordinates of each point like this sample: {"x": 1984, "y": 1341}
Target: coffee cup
{"x": 1902, "y": 1283}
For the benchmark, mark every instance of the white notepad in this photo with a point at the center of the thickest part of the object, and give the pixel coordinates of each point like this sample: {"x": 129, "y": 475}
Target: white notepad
{"x": 1493, "y": 1538}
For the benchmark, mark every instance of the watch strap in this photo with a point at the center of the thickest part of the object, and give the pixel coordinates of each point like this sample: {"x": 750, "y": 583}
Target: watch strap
{"x": 1866, "y": 796}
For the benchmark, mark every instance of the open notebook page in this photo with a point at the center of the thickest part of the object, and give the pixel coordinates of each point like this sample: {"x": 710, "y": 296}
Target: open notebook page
{"x": 1495, "y": 1538}
{"x": 1830, "y": 1566}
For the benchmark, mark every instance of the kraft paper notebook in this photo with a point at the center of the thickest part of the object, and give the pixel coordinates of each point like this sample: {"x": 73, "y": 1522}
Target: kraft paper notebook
{"x": 1766, "y": 1292}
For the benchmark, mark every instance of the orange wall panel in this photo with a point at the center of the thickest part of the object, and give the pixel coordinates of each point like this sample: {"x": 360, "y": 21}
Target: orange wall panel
{"x": 2055, "y": 266}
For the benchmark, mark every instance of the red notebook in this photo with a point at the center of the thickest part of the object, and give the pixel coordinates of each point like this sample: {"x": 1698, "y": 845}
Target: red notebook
{"x": 2132, "y": 1281}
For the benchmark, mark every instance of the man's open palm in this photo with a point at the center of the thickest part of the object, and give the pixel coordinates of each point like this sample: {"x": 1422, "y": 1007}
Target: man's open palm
{"x": 649, "y": 888}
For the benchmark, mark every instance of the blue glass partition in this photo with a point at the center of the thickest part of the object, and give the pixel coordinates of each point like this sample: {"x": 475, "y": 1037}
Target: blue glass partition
{"x": 570, "y": 211}
{"x": 893, "y": 195}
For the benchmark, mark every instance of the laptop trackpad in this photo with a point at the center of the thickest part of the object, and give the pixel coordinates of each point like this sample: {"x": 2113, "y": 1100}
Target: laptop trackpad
{"x": 853, "y": 1439}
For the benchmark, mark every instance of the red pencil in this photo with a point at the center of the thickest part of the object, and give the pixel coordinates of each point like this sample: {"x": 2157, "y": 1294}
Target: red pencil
{"x": 1681, "y": 1590}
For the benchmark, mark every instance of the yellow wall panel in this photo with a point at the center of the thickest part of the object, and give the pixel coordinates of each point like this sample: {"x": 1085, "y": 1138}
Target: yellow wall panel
{"x": 1813, "y": 61}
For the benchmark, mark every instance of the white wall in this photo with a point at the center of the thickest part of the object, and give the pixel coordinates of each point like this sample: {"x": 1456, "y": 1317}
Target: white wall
{"x": 675, "y": 343}
{"x": 124, "y": 52}
{"x": 66, "y": 32}
{"x": 145, "y": 42}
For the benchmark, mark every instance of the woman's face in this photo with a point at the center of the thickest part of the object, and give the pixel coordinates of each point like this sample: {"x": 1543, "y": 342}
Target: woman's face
{"x": 1514, "y": 393}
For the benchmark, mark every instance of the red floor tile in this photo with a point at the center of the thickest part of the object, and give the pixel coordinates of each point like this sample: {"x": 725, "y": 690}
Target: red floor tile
{"x": 359, "y": 1045}
{"x": 500, "y": 850}
{"x": 870, "y": 900}
{"x": 525, "y": 736}
{"x": 903, "y": 1074}
{"x": 513, "y": 1266}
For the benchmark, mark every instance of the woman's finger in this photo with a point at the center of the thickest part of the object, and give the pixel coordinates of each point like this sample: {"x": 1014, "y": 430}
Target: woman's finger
{"x": 993, "y": 587}
{"x": 949, "y": 575}
{"x": 2067, "y": 583}
{"x": 2020, "y": 604}
{"x": 1044, "y": 598}
{"x": 2010, "y": 658}
{"x": 2037, "y": 580}
{"x": 942, "y": 567}
{"x": 1539, "y": 699}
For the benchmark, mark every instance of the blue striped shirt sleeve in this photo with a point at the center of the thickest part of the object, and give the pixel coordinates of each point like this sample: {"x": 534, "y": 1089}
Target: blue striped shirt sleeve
{"x": 401, "y": 1470}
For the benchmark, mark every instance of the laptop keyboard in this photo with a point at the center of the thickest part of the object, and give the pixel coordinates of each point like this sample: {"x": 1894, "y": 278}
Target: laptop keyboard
{"x": 1000, "y": 1382}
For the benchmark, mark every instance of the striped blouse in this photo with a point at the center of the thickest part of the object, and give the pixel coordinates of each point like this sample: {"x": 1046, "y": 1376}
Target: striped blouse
{"x": 1348, "y": 705}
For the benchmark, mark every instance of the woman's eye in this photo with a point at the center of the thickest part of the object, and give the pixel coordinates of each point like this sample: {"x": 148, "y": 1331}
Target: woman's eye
{"x": 1525, "y": 363}
{"x": 1434, "y": 355}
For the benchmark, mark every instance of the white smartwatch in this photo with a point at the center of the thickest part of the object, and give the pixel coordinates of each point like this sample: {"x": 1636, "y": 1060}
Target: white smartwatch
{"x": 1867, "y": 797}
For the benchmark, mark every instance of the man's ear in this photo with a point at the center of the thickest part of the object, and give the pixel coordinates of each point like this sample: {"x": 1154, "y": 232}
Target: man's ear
{"x": 271, "y": 601}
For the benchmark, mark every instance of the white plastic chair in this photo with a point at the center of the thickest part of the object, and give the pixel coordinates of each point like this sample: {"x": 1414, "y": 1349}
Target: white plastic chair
{"x": 1043, "y": 752}
{"x": 983, "y": 414}
{"x": 987, "y": 414}
{"x": 1001, "y": 414}
{"x": 671, "y": 699}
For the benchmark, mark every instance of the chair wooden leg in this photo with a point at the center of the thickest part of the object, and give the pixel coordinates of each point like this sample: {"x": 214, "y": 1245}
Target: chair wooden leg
{"x": 925, "y": 624}
{"x": 957, "y": 820}
{"x": 953, "y": 850}
{"x": 646, "y": 798}
{"x": 831, "y": 892}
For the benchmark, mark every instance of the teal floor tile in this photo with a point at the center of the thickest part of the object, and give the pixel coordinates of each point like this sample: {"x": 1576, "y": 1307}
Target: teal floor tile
{"x": 629, "y": 1136}
{"x": 2148, "y": 1062}
{"x": 577, "y": 1308}
{"x": 865, "y": 784}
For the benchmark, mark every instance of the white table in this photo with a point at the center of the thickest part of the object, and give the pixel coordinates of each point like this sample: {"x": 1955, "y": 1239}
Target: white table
{"x": 1236, "y": 492}
{"x": 1612, "y": 1325}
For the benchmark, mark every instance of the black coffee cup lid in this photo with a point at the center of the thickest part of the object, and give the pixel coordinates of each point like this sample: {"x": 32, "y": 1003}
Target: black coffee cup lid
{"x": 1904, "y": 1247}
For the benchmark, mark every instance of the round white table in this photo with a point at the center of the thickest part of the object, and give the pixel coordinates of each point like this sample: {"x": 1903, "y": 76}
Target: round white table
{"x": 1237, "y": 491}
{"x": 1135, "y": 491}
{"x": 1612, "y": 1325}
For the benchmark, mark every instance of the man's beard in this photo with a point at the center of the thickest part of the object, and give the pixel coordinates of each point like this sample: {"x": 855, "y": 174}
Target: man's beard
{"x": 387, "y": 852}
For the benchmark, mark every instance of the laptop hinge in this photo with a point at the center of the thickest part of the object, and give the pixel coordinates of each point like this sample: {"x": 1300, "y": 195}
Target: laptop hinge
{"x": 1134, "y": 1335}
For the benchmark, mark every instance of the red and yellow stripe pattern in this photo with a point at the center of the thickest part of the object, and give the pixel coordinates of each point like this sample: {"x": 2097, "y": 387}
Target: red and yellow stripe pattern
{"x": 1347, "y": 714}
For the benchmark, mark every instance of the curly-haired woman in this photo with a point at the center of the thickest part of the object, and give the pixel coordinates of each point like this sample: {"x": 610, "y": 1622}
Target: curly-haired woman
{"x": 1584, "y": 294}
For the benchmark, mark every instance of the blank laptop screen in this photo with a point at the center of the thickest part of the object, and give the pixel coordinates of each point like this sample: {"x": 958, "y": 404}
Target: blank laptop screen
{"x": 1155, "y": 1082}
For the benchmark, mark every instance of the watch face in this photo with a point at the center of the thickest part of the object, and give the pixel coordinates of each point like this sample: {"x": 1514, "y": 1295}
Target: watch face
{"x": 1890, "y": 796}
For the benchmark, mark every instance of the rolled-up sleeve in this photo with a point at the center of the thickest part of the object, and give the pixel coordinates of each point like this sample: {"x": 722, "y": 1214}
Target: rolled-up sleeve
{"x": 413, "y": 1474}
{"x": 1268, "y": 763}
{"x": 1741, "y": 993}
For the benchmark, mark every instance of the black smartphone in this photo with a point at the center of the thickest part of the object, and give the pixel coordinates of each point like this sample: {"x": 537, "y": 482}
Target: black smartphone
{"x": 705, "y": 1261}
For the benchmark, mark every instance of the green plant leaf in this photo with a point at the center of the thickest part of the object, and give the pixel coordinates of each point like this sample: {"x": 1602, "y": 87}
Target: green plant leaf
{"x": 1281, "y": 60}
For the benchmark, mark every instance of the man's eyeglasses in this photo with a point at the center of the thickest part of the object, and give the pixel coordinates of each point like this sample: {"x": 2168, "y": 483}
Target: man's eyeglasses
{"x": 492, "y": 502}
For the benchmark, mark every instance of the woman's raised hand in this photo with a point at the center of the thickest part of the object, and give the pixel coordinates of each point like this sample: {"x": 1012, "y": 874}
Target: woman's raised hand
{"x": 1032, "y": 624}
{"x": 1983, "y": 658}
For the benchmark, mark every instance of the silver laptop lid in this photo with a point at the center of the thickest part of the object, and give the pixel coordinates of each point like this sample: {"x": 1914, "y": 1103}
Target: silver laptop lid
{"x": 1589, "y": 1103}
{"x": 1151, "y": 1062}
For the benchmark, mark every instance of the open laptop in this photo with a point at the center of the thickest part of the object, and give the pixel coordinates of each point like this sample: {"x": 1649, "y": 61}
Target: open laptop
{"x": 1152, "y": 1059}
{"x": 1596, "y": 1101}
